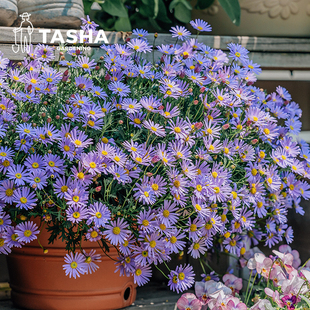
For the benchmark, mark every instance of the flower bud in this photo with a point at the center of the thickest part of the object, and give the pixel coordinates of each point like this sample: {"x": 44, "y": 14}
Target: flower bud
{"x": 98, "y": 189}
{"x": 49, "y": 120}
{"x": 254, "y": 141}
{"x": 81, "y": 86}
{"x": 62, "y": 57}
{"x": 198, "y": 125}
{"x": 97, "y": 68}
{"x": 45, "y": 251}
{"x": 202, "y": 89}
{"x": 107, "y": 77}
{"x": 49, "y": 151}
{"x": 43, "y": 114}
{"x": 121, "y": 122}
{"x": 182, "y": 74}
{"x": 155, "y": 35}
{"x": 78, "y": 52}
{"x": 195, "y": 102}
{"x": 190, "y": 90}
{"x": 101, "y": 57}
{"x": 161, "y": 107}
{"x": 155, "y": 159}
{"x": 225, "y": 126}
{"x": 34, "y": 186}
{"x": 149, "y": 174}
{"x": 127, "y": 39}
{"x": 57, "y": 117}
{"x": 61, "y": 53}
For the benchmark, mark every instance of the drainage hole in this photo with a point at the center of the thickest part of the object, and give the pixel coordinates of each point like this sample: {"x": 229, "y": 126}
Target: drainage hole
{"x": 127, "y": 293}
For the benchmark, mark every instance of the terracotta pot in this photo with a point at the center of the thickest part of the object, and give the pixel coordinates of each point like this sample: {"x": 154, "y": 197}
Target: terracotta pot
{"x": 38, "y": 280}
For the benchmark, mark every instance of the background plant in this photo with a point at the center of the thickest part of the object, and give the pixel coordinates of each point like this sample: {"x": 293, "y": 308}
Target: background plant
{"x": 152, "y": 15}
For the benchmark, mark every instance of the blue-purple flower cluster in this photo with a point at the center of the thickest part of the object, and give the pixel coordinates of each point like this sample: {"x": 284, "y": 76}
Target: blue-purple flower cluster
{"x": 155, "y": 158}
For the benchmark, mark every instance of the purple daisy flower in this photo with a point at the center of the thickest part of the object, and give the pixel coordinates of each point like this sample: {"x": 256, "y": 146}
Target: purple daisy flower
{"x": 119, "y": 88}
{"x": 7, "y": 190}
{"x": 91, "y": 259}
{"x": 180, "y": 32}
{"x": 142, "y": 274}
{"x": 76, "y": 197}
{"x": 18, "y": 174}
{"x": 99, "y": 214}
{"x": 5, "y": 221}
{"x": 34, "y": 162}
{"x": 167, "y": 215}
{"x": 26, "y": 232}
{"x": 155, "y": 128}
{"x": 200, "y": 25}
{"x": 61, "y": 186}
{"x": 76, "y": 214}
{"x": 94, "y": 234}
{"x": 75, "y": 265}
{"x": 37, "y": 179}
{"x": 182, "y": 278}
{"x": 4, "y": 247}
{"x": 24, "y": 199}
{"x": 10, "y": 238}
{"x": 116, "y": 232}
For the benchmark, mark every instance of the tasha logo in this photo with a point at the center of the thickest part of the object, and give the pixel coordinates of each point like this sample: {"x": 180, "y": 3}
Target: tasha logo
{"x": 23, "y": 35}
{"x": 25, "y": 30}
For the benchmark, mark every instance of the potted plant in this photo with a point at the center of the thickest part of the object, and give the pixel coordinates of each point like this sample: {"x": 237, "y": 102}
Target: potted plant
{"x": 139, "y": 158}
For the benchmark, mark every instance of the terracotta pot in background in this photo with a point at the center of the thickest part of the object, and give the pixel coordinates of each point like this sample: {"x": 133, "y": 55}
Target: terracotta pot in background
{"x": 38, "y": 280}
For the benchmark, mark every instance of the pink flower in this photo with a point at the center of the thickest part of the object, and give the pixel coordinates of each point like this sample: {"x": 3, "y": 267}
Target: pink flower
{"x": 261, "y": 263}
{"x": 233, "y": 282}
{"x": 210, "y": 290}
{"x": 262, "y": 304}
{"x": 296, "y": 285}
{"x": 275, "y": 296}
{"x": 276, "y": 275}
{"x": 287, "y": 249}
{"x": 189, "y": 301}
{"x": 235, "y": 304}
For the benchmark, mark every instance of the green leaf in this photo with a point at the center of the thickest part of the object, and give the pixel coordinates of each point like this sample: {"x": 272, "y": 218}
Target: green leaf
{"x": 162, "y": 12}
{"x": 232, "y": 8}
{"x": 147, "y": 8}
{"x": 156, "y": 8}
{"x": 174, "y": 3}
{"x": 182, "y": 13}
{"x": 203, "y": 4}
{"x": 115, "y": 8}
{"x": 305, "y": 299}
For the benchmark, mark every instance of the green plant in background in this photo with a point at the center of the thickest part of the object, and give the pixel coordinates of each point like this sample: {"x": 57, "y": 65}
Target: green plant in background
{"x": 152, "y": 15}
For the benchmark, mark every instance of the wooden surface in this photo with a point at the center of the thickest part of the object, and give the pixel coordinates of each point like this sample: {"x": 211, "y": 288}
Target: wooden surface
{"x": 150, "y": 297}
{"x": 282, "y": 53}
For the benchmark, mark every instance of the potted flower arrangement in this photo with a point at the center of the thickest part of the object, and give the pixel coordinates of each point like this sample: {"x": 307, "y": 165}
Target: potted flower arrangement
{"x": 140, "y": 159}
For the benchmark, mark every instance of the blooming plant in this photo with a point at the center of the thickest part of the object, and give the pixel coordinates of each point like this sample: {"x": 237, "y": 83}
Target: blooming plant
{"x": 151, "y": 157}
{"x": 277, "y": 285}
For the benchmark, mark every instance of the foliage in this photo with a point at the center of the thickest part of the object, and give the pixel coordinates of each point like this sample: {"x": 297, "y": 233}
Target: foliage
{"x": 152, "y": 15}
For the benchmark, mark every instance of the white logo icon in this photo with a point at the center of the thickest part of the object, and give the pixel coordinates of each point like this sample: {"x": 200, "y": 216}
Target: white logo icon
{"x": 23, "y": 35}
